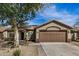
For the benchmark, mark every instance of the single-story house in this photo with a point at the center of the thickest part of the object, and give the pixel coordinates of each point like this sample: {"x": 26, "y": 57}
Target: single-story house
{"x": 52, "y": 31}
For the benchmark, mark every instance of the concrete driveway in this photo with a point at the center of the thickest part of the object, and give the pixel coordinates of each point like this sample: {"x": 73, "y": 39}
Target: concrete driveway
{"x": 60, "y": 49}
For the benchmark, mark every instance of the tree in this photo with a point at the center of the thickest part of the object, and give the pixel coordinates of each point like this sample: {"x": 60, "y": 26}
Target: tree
{"x": 17, "y": 14}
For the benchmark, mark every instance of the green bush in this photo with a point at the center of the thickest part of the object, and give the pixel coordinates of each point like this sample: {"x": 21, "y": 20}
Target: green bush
{"x": 10, "y": 44}
{"x": 17, "y": 52}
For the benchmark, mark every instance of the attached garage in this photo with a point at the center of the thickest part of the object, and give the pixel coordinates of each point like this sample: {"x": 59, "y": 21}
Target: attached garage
{"x": 52, "y": 36}
{"x": 53, "y": 31}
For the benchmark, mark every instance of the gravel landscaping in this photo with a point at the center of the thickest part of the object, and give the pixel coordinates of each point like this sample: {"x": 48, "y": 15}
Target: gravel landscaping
{"x": 34, "y": 49}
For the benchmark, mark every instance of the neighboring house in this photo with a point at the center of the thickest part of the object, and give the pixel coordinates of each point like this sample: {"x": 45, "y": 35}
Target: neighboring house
{"x": 53, "y": 31}
{"x": 75, "y": 31}
{"x": 23, "y": 33}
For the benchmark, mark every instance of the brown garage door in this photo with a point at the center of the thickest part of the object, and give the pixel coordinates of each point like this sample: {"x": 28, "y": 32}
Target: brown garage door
{"x": 52, "y": 36}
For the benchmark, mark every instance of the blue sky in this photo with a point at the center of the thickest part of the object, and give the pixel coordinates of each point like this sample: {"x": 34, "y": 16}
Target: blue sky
{"x": 64, "y": 12}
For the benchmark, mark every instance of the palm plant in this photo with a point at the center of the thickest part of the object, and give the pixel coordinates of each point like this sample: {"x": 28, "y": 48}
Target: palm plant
{"x": 16, "y": 15}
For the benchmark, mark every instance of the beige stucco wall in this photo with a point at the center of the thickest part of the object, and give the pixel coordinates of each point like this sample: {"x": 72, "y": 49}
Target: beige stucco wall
{"x": 75, "y": 35}
{"x": 50, "y": 25}
{"x": 53, "y": 28}
{"x": 5, "y": 34}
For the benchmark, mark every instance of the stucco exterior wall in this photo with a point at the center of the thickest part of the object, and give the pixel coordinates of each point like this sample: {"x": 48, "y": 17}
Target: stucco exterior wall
{"x": 75, "y": 35}
{"x": 50, "y": 25}
{"x": 5, "y": 34}
{"x": 52, "y": 28}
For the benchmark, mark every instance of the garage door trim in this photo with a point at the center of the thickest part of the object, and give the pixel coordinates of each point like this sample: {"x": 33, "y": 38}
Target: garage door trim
{"x": 53, "y": 30}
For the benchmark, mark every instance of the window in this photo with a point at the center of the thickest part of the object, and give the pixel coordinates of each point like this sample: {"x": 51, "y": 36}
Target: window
{"x": 11, "y": 34}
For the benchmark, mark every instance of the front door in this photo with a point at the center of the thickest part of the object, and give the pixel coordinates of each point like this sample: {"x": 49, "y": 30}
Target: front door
{"x": 21, "y": 41}
{"x": 22, "y": 35}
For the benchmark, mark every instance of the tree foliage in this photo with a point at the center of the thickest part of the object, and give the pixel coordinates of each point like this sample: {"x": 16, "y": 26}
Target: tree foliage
{"x": 16, "y": 14}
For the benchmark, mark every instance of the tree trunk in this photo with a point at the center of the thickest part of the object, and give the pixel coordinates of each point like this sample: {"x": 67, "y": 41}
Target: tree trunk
{"x": 16, "y": 37}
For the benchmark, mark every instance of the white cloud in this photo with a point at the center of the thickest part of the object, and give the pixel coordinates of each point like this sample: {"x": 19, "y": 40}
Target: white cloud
{"x": 51, "y": 12}
{"x": 64, "y": 16}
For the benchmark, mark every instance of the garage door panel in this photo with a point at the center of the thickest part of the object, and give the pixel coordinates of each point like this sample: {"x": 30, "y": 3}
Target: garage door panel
{"x": 53, "y": 36}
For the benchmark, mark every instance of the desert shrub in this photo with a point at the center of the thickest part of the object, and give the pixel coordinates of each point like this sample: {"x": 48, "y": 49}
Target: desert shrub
{"x": 9, "y": 39}
{"x": 17, "y": 52}
{"x": 10, "y": 42}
